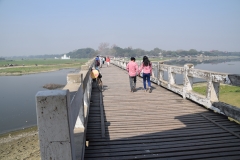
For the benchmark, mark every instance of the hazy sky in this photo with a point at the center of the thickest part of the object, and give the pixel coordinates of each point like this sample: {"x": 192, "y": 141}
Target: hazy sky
{"x": 29, "y": 27}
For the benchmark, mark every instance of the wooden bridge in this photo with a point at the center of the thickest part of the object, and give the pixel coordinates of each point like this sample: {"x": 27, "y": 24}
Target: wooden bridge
{"x": 157, "y": 125}
{"x": 80, "y": 122}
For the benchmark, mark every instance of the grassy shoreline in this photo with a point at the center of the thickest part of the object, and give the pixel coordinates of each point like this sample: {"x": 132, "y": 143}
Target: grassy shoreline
{"x": 23, "y": 67}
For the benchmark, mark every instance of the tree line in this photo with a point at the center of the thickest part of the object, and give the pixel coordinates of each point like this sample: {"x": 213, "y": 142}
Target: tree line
{"x": 105, "y": 49}
{"x": 116, "y": 51}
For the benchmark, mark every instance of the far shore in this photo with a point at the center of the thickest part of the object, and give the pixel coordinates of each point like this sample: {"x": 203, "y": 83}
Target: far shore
{"x": 27, "y": 73}
{"x": 38, "y": 66}
{"x": 19, "y": 74}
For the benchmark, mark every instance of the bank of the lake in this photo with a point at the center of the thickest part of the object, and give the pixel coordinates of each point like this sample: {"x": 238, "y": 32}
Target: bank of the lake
{"x": 21, "y": 144}
{"x": 31, "y": 66}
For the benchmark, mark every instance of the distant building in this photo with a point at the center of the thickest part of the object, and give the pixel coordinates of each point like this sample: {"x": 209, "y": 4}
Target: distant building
{"x": 65, "y": 57}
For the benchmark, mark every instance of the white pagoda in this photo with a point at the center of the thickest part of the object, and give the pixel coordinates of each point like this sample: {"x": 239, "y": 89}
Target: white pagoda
{"x": 65, "y": 57}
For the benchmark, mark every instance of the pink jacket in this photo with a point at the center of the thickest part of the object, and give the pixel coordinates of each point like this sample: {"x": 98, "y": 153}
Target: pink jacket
{"x": 132, "y": 68}
{"x": 107, "y": 59}
{"x": 146, "y": 69}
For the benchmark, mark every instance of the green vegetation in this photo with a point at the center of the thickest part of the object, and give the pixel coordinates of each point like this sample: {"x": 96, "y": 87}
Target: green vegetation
{"x": 83, "y": 53}
{"x": 40, "y": 61}
{"x": 16, "y": 67}
{"x": 116, "y": 51}
{"x": 106, "y": 50}
{"x": 155, "y": 59}
{"x": 227, "y": 93}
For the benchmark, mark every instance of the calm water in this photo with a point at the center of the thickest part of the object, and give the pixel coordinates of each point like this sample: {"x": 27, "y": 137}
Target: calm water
{"x": 17, "y": 97}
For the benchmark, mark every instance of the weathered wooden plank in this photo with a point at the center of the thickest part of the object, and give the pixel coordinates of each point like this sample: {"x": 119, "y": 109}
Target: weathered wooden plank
{"x": 167, "y": 134}
{"x": 168, "y": 152}
{"x": 102, "y": 115}
{"x": 156, "y": 139}
{"x": 156, "y": 142}
{"x": 221, "y": 126}
{"x": 165, "y": 147}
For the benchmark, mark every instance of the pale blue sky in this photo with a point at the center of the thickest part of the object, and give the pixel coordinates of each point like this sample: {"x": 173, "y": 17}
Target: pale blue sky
{"x": 29, "y": 27}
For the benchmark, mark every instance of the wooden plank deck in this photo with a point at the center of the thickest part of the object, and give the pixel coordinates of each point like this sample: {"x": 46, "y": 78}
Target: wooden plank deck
{"x": 157, "y": 125}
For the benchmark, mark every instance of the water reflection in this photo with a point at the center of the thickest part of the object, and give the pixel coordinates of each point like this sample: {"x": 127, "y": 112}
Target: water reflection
{"x": 17, "y": 97}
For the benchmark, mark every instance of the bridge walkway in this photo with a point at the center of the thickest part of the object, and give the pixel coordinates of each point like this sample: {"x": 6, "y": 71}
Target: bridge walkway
{"x": 157, "y": 125}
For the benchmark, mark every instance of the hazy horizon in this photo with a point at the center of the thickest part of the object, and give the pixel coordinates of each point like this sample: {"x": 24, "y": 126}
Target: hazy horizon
{"x": 58, "y": 27}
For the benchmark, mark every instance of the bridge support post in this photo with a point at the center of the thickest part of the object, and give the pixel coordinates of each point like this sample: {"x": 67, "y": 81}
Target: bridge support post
{"x": 212, "y": 90}
{"x": 171, "y": 77}
{"x": 160, "y": 73}
{"x": 157, "y": 74}
{"x": 187, "y": 80}
{"x": 55, "y": 135}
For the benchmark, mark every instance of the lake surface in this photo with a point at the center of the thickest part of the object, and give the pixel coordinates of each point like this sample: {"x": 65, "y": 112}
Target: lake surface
{"x": 17, "y": 97}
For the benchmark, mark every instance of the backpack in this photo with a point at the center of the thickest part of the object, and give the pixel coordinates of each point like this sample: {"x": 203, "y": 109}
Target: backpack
{"x": 97, "y": 63}
{"x": 99, "y": 76}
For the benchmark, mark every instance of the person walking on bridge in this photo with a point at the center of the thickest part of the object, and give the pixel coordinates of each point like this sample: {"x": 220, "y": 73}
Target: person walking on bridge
{"x": 146, "y": 67}
{"x": 108, "y": 61}
{"x": 97, "y": 62}
{"x": 132, "y": 69}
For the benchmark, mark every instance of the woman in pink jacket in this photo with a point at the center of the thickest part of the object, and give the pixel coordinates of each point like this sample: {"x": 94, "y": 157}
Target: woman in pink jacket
{"x": 132, "y": 69}
{"x": 146, "y": 67}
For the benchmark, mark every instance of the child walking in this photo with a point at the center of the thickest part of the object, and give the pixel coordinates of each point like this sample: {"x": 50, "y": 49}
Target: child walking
{"x": 108, "y": 61}
{"x": 146, "y": 67}
{"x": 132, "y": 69}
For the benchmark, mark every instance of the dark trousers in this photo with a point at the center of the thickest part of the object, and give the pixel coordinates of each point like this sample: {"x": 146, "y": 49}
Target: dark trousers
{"x": 146, "y": 77}
{"x": 132, "y": 81}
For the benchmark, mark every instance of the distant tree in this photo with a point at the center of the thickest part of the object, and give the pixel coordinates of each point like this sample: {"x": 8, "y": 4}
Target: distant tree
{"x": 193, "y": 52}
{"x": 157, "y": 51}
{"x": 118, "y": 52}
{"x": 103, "y": 49}
{"x": 139, "y": 52}
{"x": 82, "y": 53}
